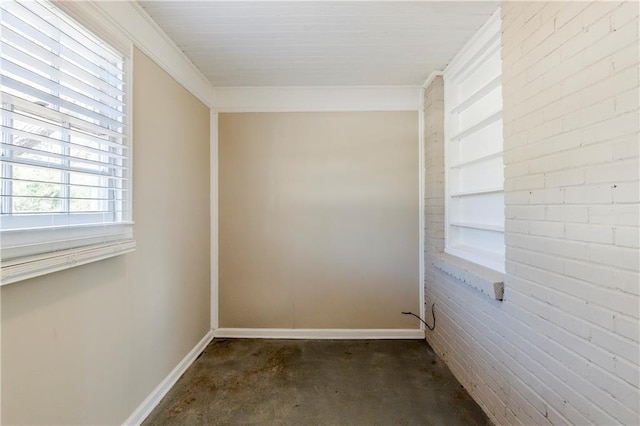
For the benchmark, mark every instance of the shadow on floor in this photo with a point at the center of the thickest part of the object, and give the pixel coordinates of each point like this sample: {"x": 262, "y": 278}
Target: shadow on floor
{"x": 317, "y": 382}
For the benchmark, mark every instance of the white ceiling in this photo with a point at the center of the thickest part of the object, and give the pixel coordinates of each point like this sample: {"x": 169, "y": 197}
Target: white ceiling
{"x": 319, "y": 43}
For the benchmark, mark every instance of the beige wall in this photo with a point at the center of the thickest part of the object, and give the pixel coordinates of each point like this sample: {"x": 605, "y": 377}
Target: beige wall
{"x": 87, "y": 345}
{"x": 318, "y": 220}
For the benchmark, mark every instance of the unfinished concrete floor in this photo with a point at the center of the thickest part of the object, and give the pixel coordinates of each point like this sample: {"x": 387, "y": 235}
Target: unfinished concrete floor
{"x": 318, "y": 382}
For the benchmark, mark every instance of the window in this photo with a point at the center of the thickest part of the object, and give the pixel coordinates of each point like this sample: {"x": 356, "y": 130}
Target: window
{"x": 473, "y": 150}
{"x": 66, "y": 176}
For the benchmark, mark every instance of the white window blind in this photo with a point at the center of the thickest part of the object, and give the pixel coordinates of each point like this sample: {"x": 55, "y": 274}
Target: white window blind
{"x": 473, "y": 152}
{"x": 65, "y": 171}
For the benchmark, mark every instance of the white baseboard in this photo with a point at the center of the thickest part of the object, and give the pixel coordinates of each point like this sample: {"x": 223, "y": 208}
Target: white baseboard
{"x": 318, "y": 333}
{"x": 154, "y": 398}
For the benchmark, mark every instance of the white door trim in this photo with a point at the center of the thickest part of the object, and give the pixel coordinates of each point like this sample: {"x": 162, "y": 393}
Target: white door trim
{"x": 213, "y": 191}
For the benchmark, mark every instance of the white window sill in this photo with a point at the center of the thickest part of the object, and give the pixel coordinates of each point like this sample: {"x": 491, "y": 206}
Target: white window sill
{"x": 22, "y": 268}
{"x": 487, "y": 281}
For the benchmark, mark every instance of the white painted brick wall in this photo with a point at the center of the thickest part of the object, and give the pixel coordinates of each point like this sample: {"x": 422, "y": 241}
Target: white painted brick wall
{"x": 563, "y": 347}
{"x": 434, "y": 166}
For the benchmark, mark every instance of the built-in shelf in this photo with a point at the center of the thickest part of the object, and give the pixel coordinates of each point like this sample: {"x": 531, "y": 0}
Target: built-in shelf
{"x": 477, "y": 192}
{"x": 483, "y": 91}
{"x": 479, "y": 57}
{"x": 480, "y": 125}
{"x": 476, "y": 160}
{"x": 484, "y": 226}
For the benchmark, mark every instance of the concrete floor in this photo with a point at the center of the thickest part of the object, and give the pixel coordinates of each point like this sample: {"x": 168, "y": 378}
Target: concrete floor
{"x": 318, "y": 382}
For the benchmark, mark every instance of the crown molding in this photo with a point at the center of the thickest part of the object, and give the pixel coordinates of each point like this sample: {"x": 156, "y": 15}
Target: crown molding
{"x": 316, "y": 99}
{"x": 430, "y": 79}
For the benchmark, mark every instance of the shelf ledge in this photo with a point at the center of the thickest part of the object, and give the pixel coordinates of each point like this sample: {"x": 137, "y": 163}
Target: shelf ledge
{"x": 476, "y": 160}
{"x": 483, "y": 91}
{"x": 485, "y": 280}
{"x": 479, "y": 125}
{"x": 477, "y": 192}
{"x": 483, "y": 226}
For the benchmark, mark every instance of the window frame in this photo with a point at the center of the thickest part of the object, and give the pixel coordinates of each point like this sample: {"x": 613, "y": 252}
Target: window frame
{"x": 105, "y": 239}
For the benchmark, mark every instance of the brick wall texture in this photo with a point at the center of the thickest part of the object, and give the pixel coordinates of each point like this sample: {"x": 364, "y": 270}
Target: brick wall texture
{"x": 563, "y": 345}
